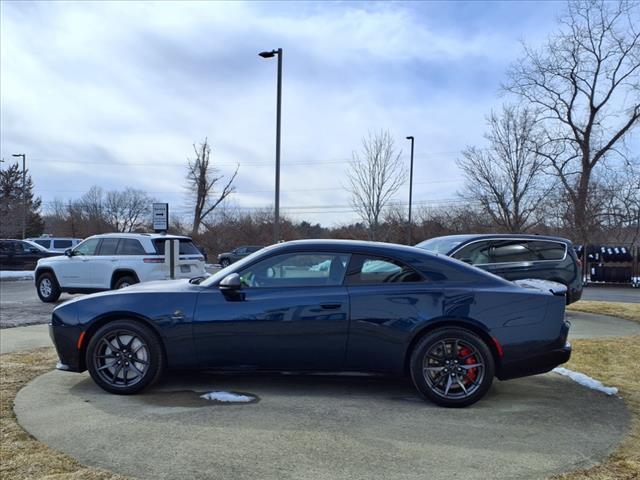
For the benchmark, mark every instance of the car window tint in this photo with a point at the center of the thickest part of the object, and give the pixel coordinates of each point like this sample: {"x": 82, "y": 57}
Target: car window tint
{"x": 88, "y": 247}
{"x": 5, "y": 247}
{"x": 24, "y": 247}
{"x": 109, "y": 246}
{"x": 503, "y": 251}
{"x": 44, "y": 243}
{"x": 475, "y": 253}
{"x": 366, "y": 269}
{"x": 297, "y": 270}
{"x": 548, "y": 250}
{"x": 187, "y": 247}
{"x": 130, "y": 246}
{"x": 62, "y": 243}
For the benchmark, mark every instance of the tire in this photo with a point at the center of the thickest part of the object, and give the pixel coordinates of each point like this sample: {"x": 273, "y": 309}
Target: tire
{"x": 456, "y": 383}
{"x": 225, "y": 262}
{"x": 47, "y": 287}
{"x": 123, "y": 282}
{"x": 134, "y": 345}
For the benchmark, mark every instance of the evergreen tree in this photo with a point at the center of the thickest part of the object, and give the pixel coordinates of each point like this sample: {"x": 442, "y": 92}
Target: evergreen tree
{"x": 11, "y": 204}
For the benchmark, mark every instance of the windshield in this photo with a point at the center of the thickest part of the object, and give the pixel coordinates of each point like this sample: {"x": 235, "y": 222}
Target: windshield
{"x": 220, "y": 274}
{"x": 441, "y": 244}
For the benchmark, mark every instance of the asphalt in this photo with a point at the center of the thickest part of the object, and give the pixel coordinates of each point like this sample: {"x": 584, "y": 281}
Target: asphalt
{"x": 322, "y": 428}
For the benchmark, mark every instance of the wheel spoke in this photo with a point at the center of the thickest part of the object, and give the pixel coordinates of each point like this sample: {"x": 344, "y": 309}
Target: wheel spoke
{"x": 449, "y": 382}
{"x": 137, "y": 370}
{"x": 433, "y": 369}
{"x": 106, "y": 366}
{"x": 473, "y": 365}
{"x": 461, "y": 385}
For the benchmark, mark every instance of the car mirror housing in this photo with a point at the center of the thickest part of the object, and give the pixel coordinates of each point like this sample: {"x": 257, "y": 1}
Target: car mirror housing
{"x": 68, "y": 252}
{"x": 231, "y": 282}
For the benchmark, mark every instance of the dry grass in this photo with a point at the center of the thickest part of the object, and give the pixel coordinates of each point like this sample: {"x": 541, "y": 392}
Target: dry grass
{"x": 21, "y": 455}
{"x": 629, "y": 311}
{"x": 614, "y": 361}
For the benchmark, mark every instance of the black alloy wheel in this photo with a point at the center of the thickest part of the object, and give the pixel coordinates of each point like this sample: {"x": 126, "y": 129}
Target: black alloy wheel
{"x": 124, "y": 357}
{"x": 452, "y": 367}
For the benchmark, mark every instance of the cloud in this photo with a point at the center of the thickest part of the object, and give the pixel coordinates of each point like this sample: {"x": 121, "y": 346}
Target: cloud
{"x": 115, "y": 93}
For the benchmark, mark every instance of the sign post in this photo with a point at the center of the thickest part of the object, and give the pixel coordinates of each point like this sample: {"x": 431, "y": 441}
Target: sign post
{"x": 160, "y": 217}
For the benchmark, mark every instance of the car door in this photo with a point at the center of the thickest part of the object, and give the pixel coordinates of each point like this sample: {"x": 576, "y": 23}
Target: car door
{"x": 26, "y": 256}
{"x": 75, "y": 271}
{"x": 290, "y": 314}
{"x": 7, "y": 253}
{"x": 104, "y": 262}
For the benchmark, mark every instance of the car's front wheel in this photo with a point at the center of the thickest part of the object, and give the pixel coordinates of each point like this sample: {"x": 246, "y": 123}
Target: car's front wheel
{"x": 47, "y": 287}
{"x": 124, "y": 357}
{"x": 452, "y": 367}
{"x": 225, "y": 262}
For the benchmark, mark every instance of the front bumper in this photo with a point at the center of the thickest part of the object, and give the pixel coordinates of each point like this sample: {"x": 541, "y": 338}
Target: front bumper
{"x": 65, "y": 339}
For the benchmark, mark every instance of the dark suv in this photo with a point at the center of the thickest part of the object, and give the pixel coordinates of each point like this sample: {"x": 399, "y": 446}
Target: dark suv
{"x": 225, "y": 259}
{"x": 516, "y": 257}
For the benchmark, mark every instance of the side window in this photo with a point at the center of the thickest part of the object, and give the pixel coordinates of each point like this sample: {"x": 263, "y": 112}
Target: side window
{"x": 241, "y": 251}
{"x": 109, "y": 246}
{"x": 130, "y": 246}
{"x": 475, "y": 253}
{"x": 297, "y": 270}
{"x": 24, "y": 247}
{"x": 5, "y": 247}
{"x": 62, "y": 243}
{"x": 44, "y": 243}
{"x": 548, "y": 250}
{"x": 366, "y": 269}
{"x": 88, "y": 247}
{"x": 504, "y": 251}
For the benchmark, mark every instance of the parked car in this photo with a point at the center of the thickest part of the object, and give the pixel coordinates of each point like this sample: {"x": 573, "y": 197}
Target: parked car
{"x": 21, "y": 254}
{"x": 112, "y": 261}
{"x": 226, "y": 259}
{"x": 378, "y": 308}
{"x": 516, "y": 257}
{"x": 56, "y": 244}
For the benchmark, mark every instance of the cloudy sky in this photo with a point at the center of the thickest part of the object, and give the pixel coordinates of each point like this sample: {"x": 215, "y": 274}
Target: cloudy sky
{"x": 115, "y": 93}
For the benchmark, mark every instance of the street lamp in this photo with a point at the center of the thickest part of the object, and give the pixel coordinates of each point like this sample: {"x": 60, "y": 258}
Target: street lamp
{"x": 24, "y": 196}
{"x": 410, "y": 190}
{"x": 276, "y": 223}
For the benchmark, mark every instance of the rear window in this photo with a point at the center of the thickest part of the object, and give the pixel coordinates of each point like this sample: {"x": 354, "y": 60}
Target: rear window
{"x": 130, "y": 246}
{"x": 62, "y": 244}
{"x": 187, "y": 247}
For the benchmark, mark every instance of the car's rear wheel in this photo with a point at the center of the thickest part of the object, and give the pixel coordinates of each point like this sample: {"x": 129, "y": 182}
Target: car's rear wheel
{"x": 452, "y": 367}
{"x": 47, "y": 287}
{"x": 123, "y": 282}
{"x": 124, "y": 357}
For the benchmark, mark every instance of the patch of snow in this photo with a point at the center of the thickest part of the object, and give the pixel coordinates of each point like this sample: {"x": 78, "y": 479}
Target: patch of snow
{"x": 585, "y": 380}
{"x": 227, "y": 397}
{"x": 16, "y": 274}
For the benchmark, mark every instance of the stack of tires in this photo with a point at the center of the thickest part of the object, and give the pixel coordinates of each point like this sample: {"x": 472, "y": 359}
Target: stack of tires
{"x": 608, "y": 263}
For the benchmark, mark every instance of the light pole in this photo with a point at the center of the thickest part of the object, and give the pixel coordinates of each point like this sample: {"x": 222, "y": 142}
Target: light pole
{"x": 410, "y": 190}
{"x": 24, "y": 196}
{"x": 276, "y": 223}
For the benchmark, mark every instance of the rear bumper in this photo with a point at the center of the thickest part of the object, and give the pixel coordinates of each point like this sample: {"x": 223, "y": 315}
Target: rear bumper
{"x": 537, "y": 364}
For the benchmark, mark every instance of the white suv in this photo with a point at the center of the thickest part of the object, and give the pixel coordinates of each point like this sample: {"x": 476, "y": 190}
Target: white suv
{"x": 115, "y": 260}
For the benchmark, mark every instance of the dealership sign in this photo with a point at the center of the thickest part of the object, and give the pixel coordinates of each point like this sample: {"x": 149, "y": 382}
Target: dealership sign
{"x": 161, "y": 217}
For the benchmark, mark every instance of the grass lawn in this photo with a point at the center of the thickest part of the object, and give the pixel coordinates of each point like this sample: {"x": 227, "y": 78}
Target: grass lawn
{"x": 22, "y": 455}
{"x": 629, "y": 311}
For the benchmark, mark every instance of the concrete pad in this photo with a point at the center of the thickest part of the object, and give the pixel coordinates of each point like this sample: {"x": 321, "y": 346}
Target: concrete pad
{"x": 24, "y": 338}
{"x": 590, "y": 325}
{"x": 322, "y": 427}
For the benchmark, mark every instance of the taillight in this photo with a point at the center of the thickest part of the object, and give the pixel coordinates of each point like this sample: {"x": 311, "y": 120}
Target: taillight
{"x": 153, "y": 260}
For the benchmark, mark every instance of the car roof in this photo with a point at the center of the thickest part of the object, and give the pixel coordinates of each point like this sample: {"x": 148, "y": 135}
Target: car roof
{"x": 351, "y": 245}
{"x": 152, "y": 236}
{"x": 463, "y": 238}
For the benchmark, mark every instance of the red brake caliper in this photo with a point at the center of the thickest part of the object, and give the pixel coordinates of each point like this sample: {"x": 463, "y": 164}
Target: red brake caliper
{"x": 472, "y": 373}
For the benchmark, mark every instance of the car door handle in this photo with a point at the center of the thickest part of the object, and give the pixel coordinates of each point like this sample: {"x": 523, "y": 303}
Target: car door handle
{"x": 331, "y": 306}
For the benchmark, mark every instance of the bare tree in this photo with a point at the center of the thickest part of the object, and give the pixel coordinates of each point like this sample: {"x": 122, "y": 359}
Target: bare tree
{"x": 202, "y": 179}
{"x": 506, "y": 178}
{"x": 375, "y": 175}
{"x": 127, "y": 210}
{"x": 585, "y": 83}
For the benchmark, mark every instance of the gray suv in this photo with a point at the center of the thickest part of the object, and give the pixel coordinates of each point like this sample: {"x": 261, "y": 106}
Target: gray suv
{"x": 516, "y": 257}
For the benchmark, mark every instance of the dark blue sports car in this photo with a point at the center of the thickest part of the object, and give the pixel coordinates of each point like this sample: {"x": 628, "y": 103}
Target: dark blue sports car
{"x": 323, "y": 305}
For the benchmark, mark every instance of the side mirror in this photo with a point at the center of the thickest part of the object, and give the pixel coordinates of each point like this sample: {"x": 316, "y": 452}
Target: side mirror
{"x": 68, "y": 252}
{"x": 230, "y": 282}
